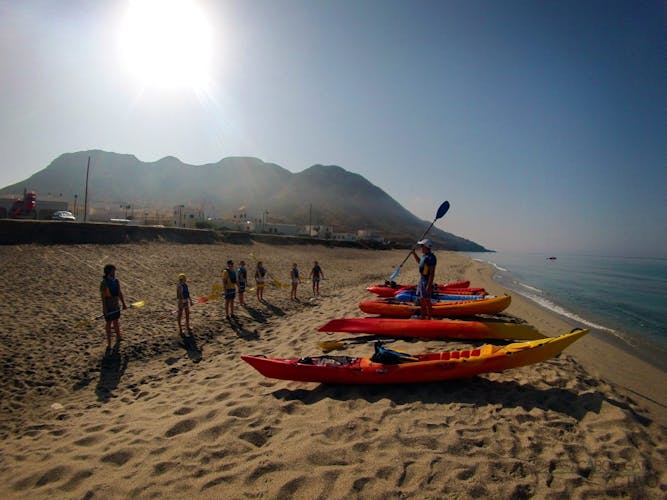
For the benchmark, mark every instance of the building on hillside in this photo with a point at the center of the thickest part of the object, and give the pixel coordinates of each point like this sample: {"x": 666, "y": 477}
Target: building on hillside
{"x": 319, "y": 231}
{"x": 370, "y": 236}
{"x": 184, "y": 216}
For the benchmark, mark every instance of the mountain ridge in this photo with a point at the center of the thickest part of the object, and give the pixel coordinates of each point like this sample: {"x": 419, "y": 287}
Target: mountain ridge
{"x": 321, "y": 194}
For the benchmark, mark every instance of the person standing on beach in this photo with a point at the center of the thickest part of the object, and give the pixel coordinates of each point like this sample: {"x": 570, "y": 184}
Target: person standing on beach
{"x": 112, "y": 297}
{"x": 316, "y": 274}
{"x": 229, "y": 284}
{"x": 260, "y": 280}
{"x": 294, "y": 277}
{"x": 242, "y": 281}
{"x": 184, "y": 303}
{"x": 427, "y": 264}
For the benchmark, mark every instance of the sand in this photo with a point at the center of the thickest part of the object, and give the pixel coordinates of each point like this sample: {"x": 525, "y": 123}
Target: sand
{"x": 154, "y": 418}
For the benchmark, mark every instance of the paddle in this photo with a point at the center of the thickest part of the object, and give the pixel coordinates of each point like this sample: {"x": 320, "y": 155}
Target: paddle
{"x": 274, "y": 280}
{"x": 87, "y": 322}
{"x": 332, "y": 345}
{"x": 442, "y": 210}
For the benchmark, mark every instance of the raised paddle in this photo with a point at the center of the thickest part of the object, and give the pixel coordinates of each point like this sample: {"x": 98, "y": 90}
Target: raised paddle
{"x": 442, "y": 210}
{"x": 87, "y": 322}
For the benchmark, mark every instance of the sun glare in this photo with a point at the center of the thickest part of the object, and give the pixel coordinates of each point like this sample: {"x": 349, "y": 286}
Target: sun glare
{"x": 167, "y": 43}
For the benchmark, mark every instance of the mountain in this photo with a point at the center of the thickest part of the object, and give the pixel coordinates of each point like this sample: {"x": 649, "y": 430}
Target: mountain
{"x": 321, "y": 194}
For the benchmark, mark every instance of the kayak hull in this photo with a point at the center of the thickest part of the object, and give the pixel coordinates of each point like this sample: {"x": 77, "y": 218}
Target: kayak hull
{"x": 447, "y": 309}
{"x": 433, "y": 328}
{"x": 459, "y": 287}
{"x": 432, "y": 367}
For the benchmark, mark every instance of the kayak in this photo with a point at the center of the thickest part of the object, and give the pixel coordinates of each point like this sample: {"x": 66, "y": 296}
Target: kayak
{"x": 393, "y": 367}
{"x": 411, "y": 296}
{"x": 396, "y": 309}
{"x": 390, "y": 289}
{"x": 433, "y": 328}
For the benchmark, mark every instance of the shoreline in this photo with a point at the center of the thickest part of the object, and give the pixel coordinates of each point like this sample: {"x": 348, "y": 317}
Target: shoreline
{"x": 610, "y": 357}
{"x": 645, "y": 348}
{"x": 159, "y": 417}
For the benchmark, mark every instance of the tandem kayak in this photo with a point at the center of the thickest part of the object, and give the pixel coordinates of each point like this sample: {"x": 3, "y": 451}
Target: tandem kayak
{"x": 404, "y": 368}
{"x": 434, "y": 328}
{"x": 460, "y": 287}
{"x": 396, "y": 309}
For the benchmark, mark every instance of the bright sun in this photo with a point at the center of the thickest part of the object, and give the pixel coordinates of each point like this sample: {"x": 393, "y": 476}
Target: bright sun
{"x": 167, "y": 43}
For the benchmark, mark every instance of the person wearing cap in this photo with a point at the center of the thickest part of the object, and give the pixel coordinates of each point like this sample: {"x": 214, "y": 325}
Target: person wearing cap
{"x": 229, "y": 284}
{"x": 184, "y": 303}
{"x": 427, "y": 264}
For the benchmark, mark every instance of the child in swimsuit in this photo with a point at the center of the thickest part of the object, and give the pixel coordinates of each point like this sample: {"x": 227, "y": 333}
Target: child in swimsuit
{"x": 184, "y": 303}
{"x": 260, "y": 280}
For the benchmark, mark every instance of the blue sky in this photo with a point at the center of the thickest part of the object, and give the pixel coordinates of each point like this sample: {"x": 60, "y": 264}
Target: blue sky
{"x": 543, "y": 123}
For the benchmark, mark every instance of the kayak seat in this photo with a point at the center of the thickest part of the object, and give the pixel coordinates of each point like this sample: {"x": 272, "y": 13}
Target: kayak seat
{"x": 389, "y": 356}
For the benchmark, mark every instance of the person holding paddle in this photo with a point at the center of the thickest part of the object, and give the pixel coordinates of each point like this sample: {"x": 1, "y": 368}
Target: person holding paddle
{"x": 427, "y": 264}
{"x": 229, "y": 284}
{"x": 112, "y": 297}
{"x": 260, "y": 280}
{"x": 184, "y": 303}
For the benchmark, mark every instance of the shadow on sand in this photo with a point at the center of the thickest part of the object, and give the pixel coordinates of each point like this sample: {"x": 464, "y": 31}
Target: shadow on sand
{"x": 241, "y": 331}
{"x": 112, "y": 367}
{"x": 189, "y": 343}
{"x": 476, "y": 391}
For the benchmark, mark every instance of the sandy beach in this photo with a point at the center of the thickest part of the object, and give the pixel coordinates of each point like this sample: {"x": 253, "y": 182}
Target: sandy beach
{"x": 159, "y": 418}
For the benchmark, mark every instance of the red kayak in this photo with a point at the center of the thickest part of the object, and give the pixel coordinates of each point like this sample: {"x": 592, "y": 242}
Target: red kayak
{"x": 457, "y": 288}
{"x": 394, "y": 367}
{"x": 433, "y": 328}
{"x": 445, "y": 309}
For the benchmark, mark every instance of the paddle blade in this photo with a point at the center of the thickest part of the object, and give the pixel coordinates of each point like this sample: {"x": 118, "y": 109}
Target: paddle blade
{"x": 202, "y": 300}
{"x": 331, "y": 345}
{"x": 395, "y": 274}
{"x": 141, "y": 303}
{"x": 442, "y": 210}
{"x": 81, "y": 324}
{"x": 214, "y": 296}
{"x": 216, "y": 287}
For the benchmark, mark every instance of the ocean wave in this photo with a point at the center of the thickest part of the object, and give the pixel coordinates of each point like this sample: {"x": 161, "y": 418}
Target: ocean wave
{"x": 547, "y": 304}
{"x": 501, "y": 269}
{"x": 529, "y": 287}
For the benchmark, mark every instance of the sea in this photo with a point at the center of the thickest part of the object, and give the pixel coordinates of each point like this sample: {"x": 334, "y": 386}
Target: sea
{"x": 622, "y": 299}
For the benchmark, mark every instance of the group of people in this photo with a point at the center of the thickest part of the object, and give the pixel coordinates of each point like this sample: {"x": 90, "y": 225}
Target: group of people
{"x": 236, "y": 280}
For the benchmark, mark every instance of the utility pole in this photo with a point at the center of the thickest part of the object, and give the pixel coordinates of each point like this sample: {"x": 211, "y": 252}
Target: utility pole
{"x": 85, "y": 209}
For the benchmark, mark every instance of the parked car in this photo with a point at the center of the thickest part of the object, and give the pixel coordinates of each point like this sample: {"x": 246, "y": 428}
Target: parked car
{"x": 63, "y": 215}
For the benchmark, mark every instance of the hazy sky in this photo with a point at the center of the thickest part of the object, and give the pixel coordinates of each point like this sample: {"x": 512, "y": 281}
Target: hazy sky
{"x": 543, "y": 122}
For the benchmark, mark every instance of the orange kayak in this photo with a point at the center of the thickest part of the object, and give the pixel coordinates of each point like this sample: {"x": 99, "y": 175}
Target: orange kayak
{"x": 396, "y": 309}
{"x": 433, "y": 328}
{"x": 401, "y": 368}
